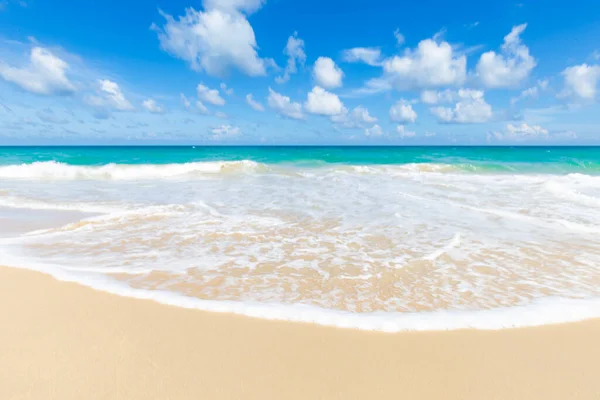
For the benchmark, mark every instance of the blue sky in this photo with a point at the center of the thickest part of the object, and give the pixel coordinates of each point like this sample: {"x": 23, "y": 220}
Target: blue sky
{"x": 299, "y": 72}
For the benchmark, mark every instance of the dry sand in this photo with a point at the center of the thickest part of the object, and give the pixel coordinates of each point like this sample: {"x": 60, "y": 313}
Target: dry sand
{"x": 64, "y": 341}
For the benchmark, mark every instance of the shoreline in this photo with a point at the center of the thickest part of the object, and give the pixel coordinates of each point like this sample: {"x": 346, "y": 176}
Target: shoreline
{"x": 62, "y": 340}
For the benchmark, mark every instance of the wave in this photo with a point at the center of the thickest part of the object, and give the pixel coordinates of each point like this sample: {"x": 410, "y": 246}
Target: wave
{"x": 550, "y": 310}
{"x": 52, "y": 170}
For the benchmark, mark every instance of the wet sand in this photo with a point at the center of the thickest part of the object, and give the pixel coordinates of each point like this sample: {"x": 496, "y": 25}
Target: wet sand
{"x": 64, "y": 341}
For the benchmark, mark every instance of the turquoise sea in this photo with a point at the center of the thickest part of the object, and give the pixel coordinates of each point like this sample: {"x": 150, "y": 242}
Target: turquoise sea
{"x": 376, "y": 238}
{"x": 528, "y": 159}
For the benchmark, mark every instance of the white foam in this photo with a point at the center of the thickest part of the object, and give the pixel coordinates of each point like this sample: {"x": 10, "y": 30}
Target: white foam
{"x": 52, "y": 170}
{"x": 540, "y": 312}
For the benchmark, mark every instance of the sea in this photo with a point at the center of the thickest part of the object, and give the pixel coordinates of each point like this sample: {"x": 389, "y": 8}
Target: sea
{"x": 374, "y": 238}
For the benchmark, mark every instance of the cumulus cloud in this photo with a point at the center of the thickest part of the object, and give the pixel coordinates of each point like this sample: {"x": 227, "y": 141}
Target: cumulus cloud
{"x": 214, "y": 40}
{"x": 509, "y": 67}
{"x": 526, "y": 132}
{"x": 404, "y": 133}
{"x": 375, "y": 130}
{"x": 227, "y": 90}
{"x": 211, "y": 96}
{"x": 284, "y": 105}
{"x": 327, "y": 74}
{"x": 294, "y": 49}
{"x": 403, "y": 112}
{"x": 470, "y": 109}
{"x": 531, "y": 93}
{"x": 431, "y": 64}
{"x": 225, "y": 131}
{"x": 368, "y": 55}
{"x": 581, "y": 81}
{"x": 45, "y": 74}
{"x": 109, "y": 97}
{"x": 322, "y": 102}
{"x": 152, "y": 106}
{"x": 436, "y": 97}
{"x": 357, "y": 118}
{"x": 253, "y": 103}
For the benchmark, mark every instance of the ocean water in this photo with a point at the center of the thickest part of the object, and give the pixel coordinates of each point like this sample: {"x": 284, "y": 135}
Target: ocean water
{"x": 376, "y": 238}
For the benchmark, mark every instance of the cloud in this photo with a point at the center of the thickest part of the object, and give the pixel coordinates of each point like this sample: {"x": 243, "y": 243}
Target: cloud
{"x": 375, "y": 130}
{"x": 531, "y": 93}
{"x": 581, "y": 81}
{"x": 45, "y": 74}
{"x": 227, "y": 90}
{"x": 399, "y": 37}
{"x": 357, "y": 118}
{"x": 403, "y": 112}
{"x": 284, "y": 106}
{"x": 225, "y": 131}
{"x": 403, "y": 133}
{"x": 431, "y": 64}
{"x": 184, "y": 100}
{"x": 253, "y": 103}
{"x": 109, "y": 97}
{"x": 327, "y": 74}
{"x": 201, "y": 107}
{"x": 294, "y": 49}
{"x": 368, "y": 55}
{"x": 509, "y": 67}
{"x": 215, "y": 40}
{"x": 321, "y": 102}
{"x": 470, "y": 109}
{"x": 211, "y": 96}
{"x": 526, "y": 132}
{"x": 153, "y": 107}
{"x": 436, "y": 97}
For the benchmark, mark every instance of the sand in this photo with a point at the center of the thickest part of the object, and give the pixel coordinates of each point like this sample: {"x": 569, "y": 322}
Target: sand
{"x": 64, "y": 341}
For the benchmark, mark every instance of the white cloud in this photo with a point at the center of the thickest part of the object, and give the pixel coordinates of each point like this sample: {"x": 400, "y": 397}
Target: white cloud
{"x": 403, "y": 112}
{"x": 46, "y": 73}
{"x": 403, "y": 133}
{"x": 216, "y": 39}
{"x": 152, "y": 106}
{"x": 322, "y": 102}
{"x": 294, "y": 49}
{"x": 431, "y": 64}
{"x": 375, "y": 130}
{"x": 368, "y": 55}
{"x": 327, "y": 74}
{"x": 253, "y": 103}
{"x": 284, "y": 106}
{"x": 221, "y": 114}
{"x": 509, "y": 67}
{"x": 201, "y": 107}
{"x": 531, "y": 93}
{"x": 524, "y": 132}
{"x": 581, "y": 81}
{"x": 357, "y": 118}
{"x": 436, "y": 97}
{"x": 227, "y": 90}
{"x": 525, "y": 129}
{"x": 184, "y": 100}
{"x": 109, "y": 96}
{"x": 470, "y": 109}
{"x": 399, "y": 37}
{"x": 225, "y": 131}
{"x": 211, "y": 96}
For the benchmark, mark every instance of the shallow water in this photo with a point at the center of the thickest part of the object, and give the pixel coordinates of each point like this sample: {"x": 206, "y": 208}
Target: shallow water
{"x": 374, "y": 238}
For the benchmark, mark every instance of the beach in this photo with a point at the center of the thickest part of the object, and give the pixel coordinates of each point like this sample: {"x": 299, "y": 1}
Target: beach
{"x": 63, "y": 341}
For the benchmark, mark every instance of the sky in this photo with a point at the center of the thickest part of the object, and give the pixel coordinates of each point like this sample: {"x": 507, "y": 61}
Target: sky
{"x": 307, "y": 72}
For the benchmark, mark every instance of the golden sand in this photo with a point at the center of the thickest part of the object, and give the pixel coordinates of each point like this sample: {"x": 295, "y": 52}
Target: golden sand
{"x": 64, "y": 341}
